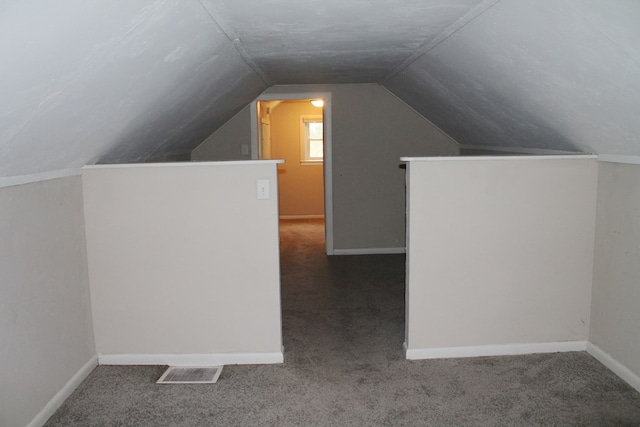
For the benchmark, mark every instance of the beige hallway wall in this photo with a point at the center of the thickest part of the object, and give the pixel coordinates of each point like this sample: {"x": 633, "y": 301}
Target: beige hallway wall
{"x": 301, "y": 185}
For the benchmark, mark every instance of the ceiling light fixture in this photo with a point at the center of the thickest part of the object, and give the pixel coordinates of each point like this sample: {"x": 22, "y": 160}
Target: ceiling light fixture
{"x": 317, "y": 103}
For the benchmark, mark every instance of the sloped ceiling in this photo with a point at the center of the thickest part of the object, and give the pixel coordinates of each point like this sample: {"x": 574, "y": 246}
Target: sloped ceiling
{"x": 336, "y": 41}
{"x": 113, "y": 81}
{"x": 560, "y": 75}
{"x": 133, "y": 80}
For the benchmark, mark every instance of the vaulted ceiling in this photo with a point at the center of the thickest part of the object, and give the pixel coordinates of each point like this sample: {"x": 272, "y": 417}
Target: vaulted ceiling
{"x": 131, "y": 80}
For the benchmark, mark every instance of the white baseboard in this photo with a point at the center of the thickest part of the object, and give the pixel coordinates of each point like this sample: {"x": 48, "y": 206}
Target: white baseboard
{"x": 369, "y": 251}
{"x": 494, "y": 350}
{"x": 192, "y": 359}
{"x": 616, "y": 367}
{"x": 52, "y": 406}
{"x": 302, "y": 216}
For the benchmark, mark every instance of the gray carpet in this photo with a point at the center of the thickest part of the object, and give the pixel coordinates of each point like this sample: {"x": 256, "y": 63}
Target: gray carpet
{"x": 343, "y": 321}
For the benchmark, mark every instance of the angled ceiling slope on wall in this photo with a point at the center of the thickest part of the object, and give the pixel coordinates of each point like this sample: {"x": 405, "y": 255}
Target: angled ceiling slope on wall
{"x": 113, "y": 82}
{"x": 559, "y": 75}
{"x": 132, "y": 81}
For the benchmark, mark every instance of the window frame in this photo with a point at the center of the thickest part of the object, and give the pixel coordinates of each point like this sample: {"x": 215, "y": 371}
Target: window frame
{"x": 305, "y": 139}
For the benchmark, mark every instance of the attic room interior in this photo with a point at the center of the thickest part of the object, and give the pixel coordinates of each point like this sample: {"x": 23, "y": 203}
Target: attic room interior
{"x": 494, "y": 143}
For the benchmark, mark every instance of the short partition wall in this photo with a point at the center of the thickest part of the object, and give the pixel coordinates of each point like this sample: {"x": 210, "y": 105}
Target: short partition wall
{"x": 499, "y": 254}
{"x": 184, "y": 263}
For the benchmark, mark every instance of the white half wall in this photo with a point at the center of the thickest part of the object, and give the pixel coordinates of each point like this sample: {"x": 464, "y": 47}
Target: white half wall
{"x": 184, "y": 261}
{"x": 615, "y": 312}
{"x": 46, "y": 335}
{"x": 499, "y": 253}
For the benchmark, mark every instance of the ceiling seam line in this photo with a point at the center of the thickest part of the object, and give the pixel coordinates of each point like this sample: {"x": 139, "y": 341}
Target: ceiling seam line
{"x": 237, "y": 43}
{"x": 600, "y": 30}
{"x": 460, "y": 23}
{"x": 233, "y": 37}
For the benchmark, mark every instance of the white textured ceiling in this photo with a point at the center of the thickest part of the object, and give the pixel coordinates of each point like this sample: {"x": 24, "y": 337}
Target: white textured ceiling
{"x": 336, "y": 41}
{"x": 112, "y": 81}
{"x": 547, "y": 74}
{"x": 132, "y": 80}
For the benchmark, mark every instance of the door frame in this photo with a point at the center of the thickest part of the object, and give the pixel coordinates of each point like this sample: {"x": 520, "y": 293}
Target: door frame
{"x": 328, "y": 157}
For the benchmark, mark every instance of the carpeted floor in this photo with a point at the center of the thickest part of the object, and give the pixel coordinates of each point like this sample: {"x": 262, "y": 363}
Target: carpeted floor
{"x": 343, "y": 321}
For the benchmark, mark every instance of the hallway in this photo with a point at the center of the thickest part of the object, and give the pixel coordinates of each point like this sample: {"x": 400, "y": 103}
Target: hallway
{"x": 343, "y": 324}
{"x": 339, "y": 310}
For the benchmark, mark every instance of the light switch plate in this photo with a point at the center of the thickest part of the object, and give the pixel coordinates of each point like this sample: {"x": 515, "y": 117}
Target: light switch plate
{"x": 262, "y": 189}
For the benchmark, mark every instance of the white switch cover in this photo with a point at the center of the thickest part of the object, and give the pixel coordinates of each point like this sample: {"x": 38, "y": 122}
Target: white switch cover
{"x": 263, "y": 189}
{"x": 245, "y": 149}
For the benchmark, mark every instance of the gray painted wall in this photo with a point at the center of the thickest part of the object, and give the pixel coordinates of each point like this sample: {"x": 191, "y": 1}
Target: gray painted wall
{"x": 226, "y": 142}
{"x": 45, "y": 321}
{"x": 615, "y": 313}
{"x": 372, "y": 129}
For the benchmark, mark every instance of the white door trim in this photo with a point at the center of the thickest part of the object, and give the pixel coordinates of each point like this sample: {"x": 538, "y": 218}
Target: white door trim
{"x": 328, "y": 156}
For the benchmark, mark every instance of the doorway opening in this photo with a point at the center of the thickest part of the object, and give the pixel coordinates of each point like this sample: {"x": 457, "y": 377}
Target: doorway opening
{"x": 319, "y": 292}
{"x": 291, "y": 127}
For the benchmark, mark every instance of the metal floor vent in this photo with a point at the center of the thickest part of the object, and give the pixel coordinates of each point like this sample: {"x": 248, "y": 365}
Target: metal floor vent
{"x": 190, "y": 375}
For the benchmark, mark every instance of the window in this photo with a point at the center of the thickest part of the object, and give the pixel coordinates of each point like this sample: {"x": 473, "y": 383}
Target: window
{"x": 312, "y": 140}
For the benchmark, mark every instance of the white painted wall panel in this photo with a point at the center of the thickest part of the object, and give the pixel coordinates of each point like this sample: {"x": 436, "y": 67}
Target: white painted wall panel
{"x": 615, "y": 318}
{"x": 184, "y": 259}
{"x": 499, "y": 251}
{"x": 46, "y": 335}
